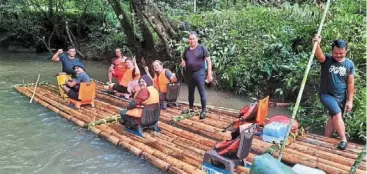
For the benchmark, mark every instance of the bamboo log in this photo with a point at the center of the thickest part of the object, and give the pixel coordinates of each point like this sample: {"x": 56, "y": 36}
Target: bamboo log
{"x": 166, "y": 147}
{"x": 63, "y": 114}
{"x": 358, "y": 161}
{"x": 193, "y": 147}
{"x": 66, "y": 109}
{"x": 242, "y": 170}
{"x": 210, "y": 114}
{"x": 155, "y": 161}
{"x": 333, "y": 141}
{"x": 322, "y": 154}
{"x": 163, "y": 146}
{"x": 294, "y": 159}
{"x": 144, "y": 148}
{"x": 324, "y": 144}
{"x": 187, "y": 134}
{"x": 299, "y": 157}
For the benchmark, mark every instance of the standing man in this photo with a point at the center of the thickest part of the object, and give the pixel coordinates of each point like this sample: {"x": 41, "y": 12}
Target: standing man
{"x": 336, "y": 87}
{"x": 117, "y": 67}
{"x": 68, "y": 60}
{"x": 194, "y": 58}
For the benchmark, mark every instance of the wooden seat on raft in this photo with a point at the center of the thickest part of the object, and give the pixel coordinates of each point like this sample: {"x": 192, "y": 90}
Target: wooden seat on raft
{"x": 87, "y": 94}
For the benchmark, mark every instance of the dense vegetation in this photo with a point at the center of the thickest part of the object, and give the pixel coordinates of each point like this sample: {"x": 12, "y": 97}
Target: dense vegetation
{"x": 258, "y": 47}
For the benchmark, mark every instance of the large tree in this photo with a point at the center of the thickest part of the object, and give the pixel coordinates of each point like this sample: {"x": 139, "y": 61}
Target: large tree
{"x": 147, "y": 15}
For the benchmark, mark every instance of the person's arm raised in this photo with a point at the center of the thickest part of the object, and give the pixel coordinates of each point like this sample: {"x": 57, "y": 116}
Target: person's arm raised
{"x": 320, "y": 57}
{"x": 55, "y": 57}
{"x": 137, "y": 71}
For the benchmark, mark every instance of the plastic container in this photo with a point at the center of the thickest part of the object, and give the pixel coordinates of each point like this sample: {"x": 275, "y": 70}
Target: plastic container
{"x": 274, "y": 132}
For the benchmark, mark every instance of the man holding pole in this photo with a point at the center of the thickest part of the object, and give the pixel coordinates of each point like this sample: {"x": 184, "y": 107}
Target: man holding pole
{"x": 336, "y": 87}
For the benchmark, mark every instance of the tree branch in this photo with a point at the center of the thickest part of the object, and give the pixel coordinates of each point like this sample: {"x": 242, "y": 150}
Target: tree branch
{"x": 71, "y": 40}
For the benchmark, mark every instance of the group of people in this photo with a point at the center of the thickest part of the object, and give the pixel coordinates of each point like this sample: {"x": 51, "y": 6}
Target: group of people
{"x": 336, "y": 88}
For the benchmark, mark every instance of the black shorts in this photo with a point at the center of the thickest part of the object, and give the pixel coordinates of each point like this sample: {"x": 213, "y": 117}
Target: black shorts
{"x": 73, "y": 94}
{"x": 120, "y": 88}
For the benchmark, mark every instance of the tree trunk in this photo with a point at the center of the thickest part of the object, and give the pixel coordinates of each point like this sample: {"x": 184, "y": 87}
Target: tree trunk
{"x": 147, "y": 44}
{"x": 157, "y": 20}
{"x": 132, "y": 43}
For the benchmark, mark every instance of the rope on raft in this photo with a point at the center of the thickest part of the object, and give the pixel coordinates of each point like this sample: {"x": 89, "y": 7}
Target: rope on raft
{"x": 103, "y": 121}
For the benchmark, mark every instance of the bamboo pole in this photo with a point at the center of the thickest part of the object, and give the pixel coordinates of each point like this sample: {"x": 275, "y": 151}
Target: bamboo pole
{"x": 34, "y": 92}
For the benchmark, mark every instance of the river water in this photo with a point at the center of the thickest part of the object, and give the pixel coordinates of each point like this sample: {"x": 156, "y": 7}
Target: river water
{"x": 34, "y": 139}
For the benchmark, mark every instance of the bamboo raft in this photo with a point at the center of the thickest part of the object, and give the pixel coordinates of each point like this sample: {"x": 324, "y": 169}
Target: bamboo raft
{"x": 180, "y": 146}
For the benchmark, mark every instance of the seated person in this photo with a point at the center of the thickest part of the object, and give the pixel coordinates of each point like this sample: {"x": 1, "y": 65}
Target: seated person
{"x": 71, "y": 87}
{"x": 68, "y": 60}
{"x": 132, "y": 73}
{"x": 117, "y": 67}
{"x": 162, "y": 77}
{"x": 145, "y": 104}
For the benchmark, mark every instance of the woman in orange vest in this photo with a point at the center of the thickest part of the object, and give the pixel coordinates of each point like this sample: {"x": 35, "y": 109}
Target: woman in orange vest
{"x": 162, "y": 77}
{"x": 144, "y": 109}
{"x": 131, "y": 73}
{"x": 117, "y": 67}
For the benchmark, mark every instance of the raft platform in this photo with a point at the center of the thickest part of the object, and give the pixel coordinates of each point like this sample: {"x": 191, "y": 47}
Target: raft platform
{"x": 181, "y": 145}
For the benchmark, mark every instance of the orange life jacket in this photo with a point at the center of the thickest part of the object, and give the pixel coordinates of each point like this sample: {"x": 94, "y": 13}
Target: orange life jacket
{"x": 152, "y": 99}
{"x": 161, "y": 81}
{"x": 119, "y": 67}
{"x": 128, "y": 77}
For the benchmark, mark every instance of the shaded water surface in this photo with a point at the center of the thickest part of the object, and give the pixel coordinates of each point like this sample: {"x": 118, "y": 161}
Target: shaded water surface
{"x": 33, "y": 139}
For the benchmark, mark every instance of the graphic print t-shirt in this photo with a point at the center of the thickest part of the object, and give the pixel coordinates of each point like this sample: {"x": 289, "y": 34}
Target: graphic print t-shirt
{"x": 334, "y": 76}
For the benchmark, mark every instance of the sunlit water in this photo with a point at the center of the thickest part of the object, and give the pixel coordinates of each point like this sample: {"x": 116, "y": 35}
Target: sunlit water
{"x": 34, "y": 139}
